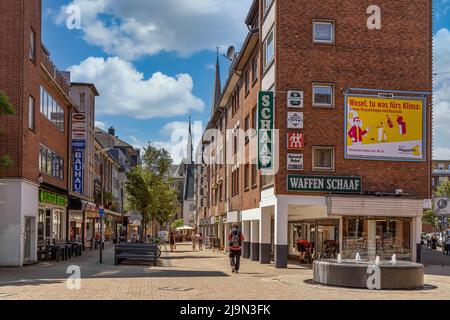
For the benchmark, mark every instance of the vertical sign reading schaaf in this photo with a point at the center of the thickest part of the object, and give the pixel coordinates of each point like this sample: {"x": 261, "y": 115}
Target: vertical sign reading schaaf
{"x": 265, "y": 130}
{"x": 78, "y": 171}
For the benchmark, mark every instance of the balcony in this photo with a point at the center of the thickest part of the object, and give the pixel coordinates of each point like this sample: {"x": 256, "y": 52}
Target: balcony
{"x": 53, "y": 71}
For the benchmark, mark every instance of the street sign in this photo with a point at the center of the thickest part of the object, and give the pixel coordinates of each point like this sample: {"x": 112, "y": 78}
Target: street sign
{"x": 101, "y": 210}
{"x": 442, "y": 206}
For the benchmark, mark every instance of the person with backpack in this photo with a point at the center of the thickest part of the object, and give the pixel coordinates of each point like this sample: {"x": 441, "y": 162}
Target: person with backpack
{"x": 235, "y": 238}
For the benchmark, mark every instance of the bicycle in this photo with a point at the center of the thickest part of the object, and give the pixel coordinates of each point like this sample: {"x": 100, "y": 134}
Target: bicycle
{"x": 156, "y": 241}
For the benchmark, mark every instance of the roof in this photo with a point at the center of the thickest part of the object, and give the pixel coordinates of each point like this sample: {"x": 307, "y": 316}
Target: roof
{"x": 90, "y": 85}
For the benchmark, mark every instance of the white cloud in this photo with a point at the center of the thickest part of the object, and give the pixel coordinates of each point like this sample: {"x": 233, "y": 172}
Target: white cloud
{"x": 100, "y": 124}
{"x": 135, "y": 28}
{"x": 177, "y": 133}
{"x": 125, "y": 92}
{"x": 441, "y": 94}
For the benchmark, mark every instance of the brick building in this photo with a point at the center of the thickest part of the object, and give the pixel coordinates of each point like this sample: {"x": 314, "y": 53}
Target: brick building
{"x": 344, "y": 130}
{"x": 34, "y": 192}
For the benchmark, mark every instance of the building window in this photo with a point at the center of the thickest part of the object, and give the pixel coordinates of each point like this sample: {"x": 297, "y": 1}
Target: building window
{"x": 323, "y": 158}
{"x": 220, "y": 193}
{"x": 247, "y": 82}
{"x": 57, "y": 224}
{"x": 50, "y": 163}
{"x": 247, "y": 127}
{"x": 52, "y": 110}
{"x": 254, "y": 119}
{"x": 323, "y": 95}
{"x": 255, "y": 69}
{"x": 82, "y": 102}
{"x": 33, "y": 45}
{"x": 269, "y": 49}
{"x": 247, "y": 177}
{"x": 254, "y": 175}
{"x": 31, "y": 106}
{"x": 323, "y": 31}
{"x": 267, "y": 4}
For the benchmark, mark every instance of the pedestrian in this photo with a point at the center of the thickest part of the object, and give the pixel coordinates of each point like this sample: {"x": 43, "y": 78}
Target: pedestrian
{"x": 194, "y": 241}
{"x": 235, "y": 238}
{"x": 200, "y": 241}
{"x": 173, "y": 245}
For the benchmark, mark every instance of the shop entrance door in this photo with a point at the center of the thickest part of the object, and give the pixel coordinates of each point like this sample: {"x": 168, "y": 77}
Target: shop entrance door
{"x": 27, "y": 239}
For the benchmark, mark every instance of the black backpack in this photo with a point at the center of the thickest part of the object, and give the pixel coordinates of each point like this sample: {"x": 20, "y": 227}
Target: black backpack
{"x": 235, "y": 238}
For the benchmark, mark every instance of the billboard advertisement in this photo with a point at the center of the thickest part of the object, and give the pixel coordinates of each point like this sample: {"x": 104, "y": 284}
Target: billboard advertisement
{"x": 385, "y": 128}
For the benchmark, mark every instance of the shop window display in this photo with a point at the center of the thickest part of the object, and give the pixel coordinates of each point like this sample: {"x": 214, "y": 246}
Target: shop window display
{"x": 371, "y": 237}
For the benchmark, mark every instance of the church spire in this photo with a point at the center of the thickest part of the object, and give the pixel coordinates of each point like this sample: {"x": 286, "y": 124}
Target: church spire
{"x": 190, "y": 146}
{"x": 217, "y": 90}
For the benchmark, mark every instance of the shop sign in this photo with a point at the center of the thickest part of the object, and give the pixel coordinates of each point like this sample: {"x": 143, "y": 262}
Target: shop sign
{"x": 295, "y": 141}
{"x": 52, "y": 198}
{"x": 79, "y": 126}
{"x": 295, "y": 161}
{"x": 78, "y": 172}
{"x": 295, "y": 99}
{"x": 295, "y": 120}
{"x": 265, "y": 129}
{"x": 79, "y": 144}
{"x": 385, "y": 128}
{"x": 324, "y": 184}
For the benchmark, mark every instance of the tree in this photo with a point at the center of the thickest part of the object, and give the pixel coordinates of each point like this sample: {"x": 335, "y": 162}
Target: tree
{"x": 6, "y": 108}
{"x": 430, "y": 217}
{"x": 176, "y": 224}
{"x": 443, "y": 190}
{"x": 150, "y": 188}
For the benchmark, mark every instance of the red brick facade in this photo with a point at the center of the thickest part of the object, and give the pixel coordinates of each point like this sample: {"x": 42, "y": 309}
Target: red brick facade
{"x": 21, "y": 78}
{"x": 397, "y": 57}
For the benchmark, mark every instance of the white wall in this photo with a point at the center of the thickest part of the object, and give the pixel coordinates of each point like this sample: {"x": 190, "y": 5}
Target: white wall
{"x": 18, "y": 199}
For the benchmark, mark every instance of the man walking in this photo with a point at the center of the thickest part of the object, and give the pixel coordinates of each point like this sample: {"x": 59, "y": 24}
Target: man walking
{"x": 235, "y": 238}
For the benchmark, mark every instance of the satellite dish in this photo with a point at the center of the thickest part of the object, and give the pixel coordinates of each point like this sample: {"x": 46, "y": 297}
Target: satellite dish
{"x": 231, "y": 52}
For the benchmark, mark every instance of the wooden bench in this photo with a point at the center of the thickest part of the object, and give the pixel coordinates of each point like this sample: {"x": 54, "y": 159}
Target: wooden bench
{"x": 135, "y": 251}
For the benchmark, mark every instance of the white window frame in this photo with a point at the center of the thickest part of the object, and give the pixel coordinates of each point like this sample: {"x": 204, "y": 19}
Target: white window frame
{"x": 333, "y": 158}
{"x": 327, "y": 22}
{"x": 323, "y": 105}
{"x": 267, "y": 62}
{"x": 31, "y": 113}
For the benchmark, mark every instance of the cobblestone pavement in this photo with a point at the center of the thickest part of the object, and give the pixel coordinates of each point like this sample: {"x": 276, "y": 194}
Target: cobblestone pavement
{"x": 190, "y": 275}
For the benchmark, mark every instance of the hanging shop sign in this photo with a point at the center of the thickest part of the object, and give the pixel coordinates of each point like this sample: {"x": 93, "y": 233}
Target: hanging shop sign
{"x": 295, "y": 99}
{"x": 52, "y": 198}
{"x": 295, "y": 141}
{"x": 295, "y": 161}
{"x": 295, "y": 120}
{"x": 442, "y": 206}
{"x": 385, "y": 128}
{"x": 79, "y": 126}
{"x": 324, "y": 184}
{"x": 78, "y": 172}
{"x": 265, "y": 129}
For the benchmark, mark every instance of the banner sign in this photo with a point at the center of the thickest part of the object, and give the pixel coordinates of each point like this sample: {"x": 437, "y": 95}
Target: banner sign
{"x": 266, "y": 127}
{"x": 78, "y": 172}
{"x": 385, "y": 128}
{"x": 295, "y": 162}
{"x": 324, "y": 184}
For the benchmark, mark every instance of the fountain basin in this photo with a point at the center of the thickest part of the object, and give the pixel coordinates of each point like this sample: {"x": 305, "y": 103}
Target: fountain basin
{"x": 355, "y": 274}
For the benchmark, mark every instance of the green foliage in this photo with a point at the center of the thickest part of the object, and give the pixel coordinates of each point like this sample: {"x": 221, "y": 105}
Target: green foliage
{"x": 150, "y": 189}
{"x": 444, "y": 189}
{"x": 176, "y": 224}
{"x": 429, "y": 217}
{"x": 6, "y": 108}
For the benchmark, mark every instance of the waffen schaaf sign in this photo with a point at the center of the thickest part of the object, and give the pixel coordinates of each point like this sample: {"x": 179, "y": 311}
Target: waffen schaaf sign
{"x": 265, "y": 130}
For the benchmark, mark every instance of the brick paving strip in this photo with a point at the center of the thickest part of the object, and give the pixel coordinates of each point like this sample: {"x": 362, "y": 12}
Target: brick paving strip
{"x": 192, "y": 276}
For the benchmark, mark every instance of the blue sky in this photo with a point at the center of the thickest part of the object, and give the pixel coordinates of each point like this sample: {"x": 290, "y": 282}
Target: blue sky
{"x": 153, "y": 61}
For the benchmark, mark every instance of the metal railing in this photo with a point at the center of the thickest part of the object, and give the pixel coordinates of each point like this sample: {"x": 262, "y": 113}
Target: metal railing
{"x": 55, "y": 73}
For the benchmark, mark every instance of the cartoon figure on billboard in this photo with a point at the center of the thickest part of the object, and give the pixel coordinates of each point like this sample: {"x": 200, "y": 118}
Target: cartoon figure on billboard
{"x": 356, "y": 132}
{"x": 401, "y": 125}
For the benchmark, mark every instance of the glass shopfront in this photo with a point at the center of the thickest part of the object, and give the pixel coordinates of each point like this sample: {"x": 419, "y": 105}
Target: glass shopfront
{"x": 377, "y": 236}
{"x": 322, "y": 234}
